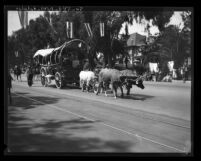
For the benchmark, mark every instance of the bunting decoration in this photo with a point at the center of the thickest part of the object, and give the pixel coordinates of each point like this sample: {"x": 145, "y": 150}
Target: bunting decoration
{"x": 88, "y": 28}
{"x": 102, "y": 30}
{"x": 23, "y": 16}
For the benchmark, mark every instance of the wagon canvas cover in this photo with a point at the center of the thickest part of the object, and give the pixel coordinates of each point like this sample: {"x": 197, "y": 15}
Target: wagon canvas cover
{"x": 43, "y": 52}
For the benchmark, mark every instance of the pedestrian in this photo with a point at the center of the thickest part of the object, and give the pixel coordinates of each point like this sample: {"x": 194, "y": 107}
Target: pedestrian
{"x": 159, "y": 75}
{"x": 29, "y": 74}
{"x": 183, "y": 74}
{"x": 18, "y": 72}
{"x": 186, "y": 71}
{"x": 126, "y": 62}
{"x": 15, "y": 71}
{"x": 174, "y": 74}
{"x": 153, "y": 76}
{"x": 10, "y": 78}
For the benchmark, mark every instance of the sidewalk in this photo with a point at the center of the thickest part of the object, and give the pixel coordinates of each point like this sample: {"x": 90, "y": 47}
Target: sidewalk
{"x": 173, "y": 83}
{"x": 180, "y": 81}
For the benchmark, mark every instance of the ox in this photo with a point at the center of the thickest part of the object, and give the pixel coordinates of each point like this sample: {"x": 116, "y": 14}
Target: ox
{"x": 87, "y": 79}
{"x": 130, "y": 78}
{"x": 112, "y": 76}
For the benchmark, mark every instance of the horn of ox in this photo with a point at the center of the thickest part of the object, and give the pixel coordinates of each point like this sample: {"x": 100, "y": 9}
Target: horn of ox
{"x": 139, "y": 78}
{"x": 136, "y": 80}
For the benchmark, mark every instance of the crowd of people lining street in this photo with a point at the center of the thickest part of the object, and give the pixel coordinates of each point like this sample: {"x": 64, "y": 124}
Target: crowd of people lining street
{"x": 34, "y": 69}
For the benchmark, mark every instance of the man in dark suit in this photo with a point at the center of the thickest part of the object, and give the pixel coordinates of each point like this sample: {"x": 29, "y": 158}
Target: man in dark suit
{"x": 10, "y": 78}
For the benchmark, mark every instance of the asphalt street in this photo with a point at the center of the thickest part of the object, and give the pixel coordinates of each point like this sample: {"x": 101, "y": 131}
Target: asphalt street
{"x": 46, "y": 119}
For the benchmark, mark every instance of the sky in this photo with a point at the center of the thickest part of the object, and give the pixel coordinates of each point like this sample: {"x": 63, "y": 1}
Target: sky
{"x": 176, "y": 19}
{"x": 14, "y": 23}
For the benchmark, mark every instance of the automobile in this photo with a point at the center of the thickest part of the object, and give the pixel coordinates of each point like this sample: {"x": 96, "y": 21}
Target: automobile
{"x": 63, "y": 64}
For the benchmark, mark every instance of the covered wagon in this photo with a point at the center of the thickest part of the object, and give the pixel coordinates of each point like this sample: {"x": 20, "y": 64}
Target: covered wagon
{"x": 62, "y": 65}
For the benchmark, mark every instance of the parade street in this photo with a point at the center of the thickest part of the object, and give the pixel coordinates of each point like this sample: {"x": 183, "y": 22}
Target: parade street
{"x": 47, "y": 119}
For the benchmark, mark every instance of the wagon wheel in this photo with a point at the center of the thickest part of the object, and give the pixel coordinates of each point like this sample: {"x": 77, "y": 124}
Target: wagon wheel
{"x": 43, "y": 78}
{"x": 58, "y": 80}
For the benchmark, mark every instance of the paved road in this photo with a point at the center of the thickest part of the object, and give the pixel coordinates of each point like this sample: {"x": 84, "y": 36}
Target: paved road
{"x": 156, "y": 119}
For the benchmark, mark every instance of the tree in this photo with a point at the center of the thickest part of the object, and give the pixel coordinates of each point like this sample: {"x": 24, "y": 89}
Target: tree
{"x": 113, "y": 21}
{"x": 11, "y": 50}
{"x": 172, "y": 44}
{"x": 186, "y": 33}
{"x": 51, "y": 29}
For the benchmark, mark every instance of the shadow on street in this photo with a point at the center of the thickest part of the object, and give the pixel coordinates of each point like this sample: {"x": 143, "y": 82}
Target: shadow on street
{"x": 138, "y": 97}
{"x": 27, "y": 103}
{"x": 27, "y": 134}
{"x": 141, "y": 97}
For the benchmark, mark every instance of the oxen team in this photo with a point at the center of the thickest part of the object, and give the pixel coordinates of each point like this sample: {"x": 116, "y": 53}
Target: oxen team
{"x": 109, "y": 77}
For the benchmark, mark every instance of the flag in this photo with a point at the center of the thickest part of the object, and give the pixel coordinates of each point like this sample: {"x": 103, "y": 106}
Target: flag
{"x": 80, "y": 45}
{"x": 88, "y": 28}
{"x": 16, "y": 53}
{"x": 69, "y": 29}
{"x": 102, "y": 33}
{"x": 26, "y": 19}
{"x": 23, "y": 16}
{"x": 50, "y": 21}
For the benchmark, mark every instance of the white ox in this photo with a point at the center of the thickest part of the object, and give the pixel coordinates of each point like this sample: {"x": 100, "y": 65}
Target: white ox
{"x": 87, "y": 79}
